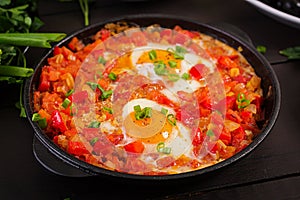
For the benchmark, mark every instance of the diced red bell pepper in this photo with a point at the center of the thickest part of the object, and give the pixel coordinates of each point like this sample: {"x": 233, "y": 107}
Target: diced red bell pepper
{"x": 198, "y": 137}
{"x": 198, "y": 71}
{"x": 76, "y": 148}
{"x": 134, "y": 147}
{"x": 57, "y": 121}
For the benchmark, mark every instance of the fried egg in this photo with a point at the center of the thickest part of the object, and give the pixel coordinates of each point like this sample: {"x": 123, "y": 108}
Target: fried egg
{"x": 157, "y": 129}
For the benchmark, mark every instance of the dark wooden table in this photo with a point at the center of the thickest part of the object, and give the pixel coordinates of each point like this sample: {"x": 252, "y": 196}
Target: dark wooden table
{"x": 271, "y": 171}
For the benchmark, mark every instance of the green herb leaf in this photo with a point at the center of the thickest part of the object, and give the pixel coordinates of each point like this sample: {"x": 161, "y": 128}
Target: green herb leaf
{"x": 291, "y": 53}
{"x": 94, "y": 124}
{"x": 261, "y": 49}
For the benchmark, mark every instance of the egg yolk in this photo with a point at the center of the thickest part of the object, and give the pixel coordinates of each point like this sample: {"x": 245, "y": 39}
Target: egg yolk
{"x": 149, "y": 130}
{"x": 161, "y": 55}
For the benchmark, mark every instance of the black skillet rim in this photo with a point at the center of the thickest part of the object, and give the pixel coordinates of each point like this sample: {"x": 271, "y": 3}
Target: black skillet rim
{"x": 213, "y": 31}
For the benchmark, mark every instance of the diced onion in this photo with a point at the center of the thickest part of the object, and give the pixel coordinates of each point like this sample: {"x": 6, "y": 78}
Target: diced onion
{"x": 231, "y": 125}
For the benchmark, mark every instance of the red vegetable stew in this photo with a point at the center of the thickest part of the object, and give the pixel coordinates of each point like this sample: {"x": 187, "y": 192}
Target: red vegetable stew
{"x": 150, "y": 101}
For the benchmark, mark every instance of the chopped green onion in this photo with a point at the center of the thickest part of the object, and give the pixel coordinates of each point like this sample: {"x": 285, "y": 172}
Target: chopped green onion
{"x": 160, "y": 145}
{"x": 93, "y": 141}
{"x": 179, "y": 52}
{"x": 92, "y": 85}
{"x": 162, "y": 149}
{"x": 185, "y": 76}
{"x": 101, "y": 60}
{"x": 172, "y": 63}
{"x": 210, "y": 133}
{"x": 171, "y": 119}
{"x": 106, "y": 94}
{"x": 160, "y": 68}
{"x": 164, "y": 111}
{"x": 94, "y": 124}
{"x": 109, "y": 110}
{"x": 42, "y": 122}
{"x": 66, "y": 103}
{"x": 152, "y": 55}
{"x": 137, "y": 108}
{"x": 173, "y": 77}
{"x": 69, "y": 92}
{"x": 142, "y": 113}
{"x": 112, "y": 76}
{"x": 242, "y": 101}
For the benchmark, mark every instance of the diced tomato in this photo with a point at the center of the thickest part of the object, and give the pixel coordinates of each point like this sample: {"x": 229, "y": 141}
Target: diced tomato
{"x": 104, "y": 34}
{"x": 166, "y": 34}
{"x": 198, "y": 137}
{"x": 258, "y": 101}
{"x": 212, "y": 147}
{"x": 72, "y": 44}
{"x": 90, "y": 133}
{"x": 225, "y": 136}
{"x": 115, "y": 138}
{"x": 165, "y": 161}
{"x": 44, "y": 82}
{"x": 246, "y": 116}
{"x": 230, "y": 102}
{"x": 76, "y": 148}
{"x": 79, "y": 97}
{"x": 103, "y": 147}
{"x": 57, "y": 50}
{"x": 180, "y": 38}
{"x": 240, "y": 79}
{"x": 237, "y": 136}
{"x": 135, "y": 147}
{"x": 198, "y": 71}
{"x": 226, "y": 62}
{"x": 53, "y": 75}
{"x": 139, "y": 39}
{"x": 134, "y": 164}
{"x": 71, "y": 132}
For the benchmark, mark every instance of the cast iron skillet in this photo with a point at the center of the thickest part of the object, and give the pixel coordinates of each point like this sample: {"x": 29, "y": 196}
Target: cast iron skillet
{"x": 270, "y": 86}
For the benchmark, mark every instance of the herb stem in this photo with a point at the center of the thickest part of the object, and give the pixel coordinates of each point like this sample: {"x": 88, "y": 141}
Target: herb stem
{"x": 15, "y": 71}
{"x": 85, "y": 10}
{"x": 31, "y": 39}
